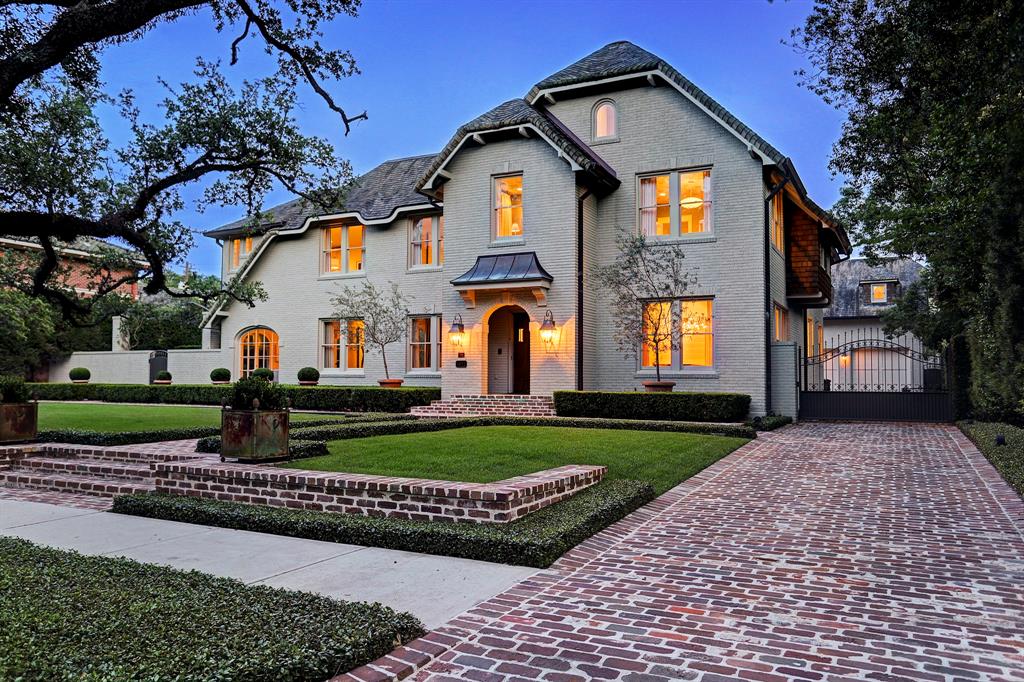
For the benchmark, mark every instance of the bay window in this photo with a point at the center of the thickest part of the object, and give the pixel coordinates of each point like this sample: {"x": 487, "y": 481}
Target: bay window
{"x": 693, "y": 339}
{"x": 508, "y": 207}
{"x": 674, "y": 204}
{"x": 344, "y": 249}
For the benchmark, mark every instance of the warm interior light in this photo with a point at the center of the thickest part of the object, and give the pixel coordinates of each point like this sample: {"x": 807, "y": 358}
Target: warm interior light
{"x": 548, "y": 328}
{"x": 844, "y": 360}
{"x": 457, "y": 332}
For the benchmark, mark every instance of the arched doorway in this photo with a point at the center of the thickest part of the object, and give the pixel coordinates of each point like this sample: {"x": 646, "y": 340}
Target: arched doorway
{"x": 508, "y": 351}
{"x": 258, "y": 347}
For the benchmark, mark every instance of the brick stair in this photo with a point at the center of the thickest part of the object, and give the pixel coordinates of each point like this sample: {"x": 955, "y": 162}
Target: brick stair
{"x": 488, "y": 405}
{"x": 86, "y": 471}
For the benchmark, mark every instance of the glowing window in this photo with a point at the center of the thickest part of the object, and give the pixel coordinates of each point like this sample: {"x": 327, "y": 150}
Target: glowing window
{"x": 781, "y": 323}
{"x": 420, "y": 347}
{"x": 343, "y": 350}
{"x": 697, "y": 333}
{"x": 258, "y": 348}
{"x": 675, "y": 204}
{"x": 421, "y": 241}
{"x": 343, "y": 248}
{"x": 778, "y": 224}
{"x": 508, "y": 207}
{"x": 879, "y": 293}
{"x": 657, "y": 333}
{"x": 605, "y": 121}
{"x": 240, "y": 248}
{"x": 655, "y": 206}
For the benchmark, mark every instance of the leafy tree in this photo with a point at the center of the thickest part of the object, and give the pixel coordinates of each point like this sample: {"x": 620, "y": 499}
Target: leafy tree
{"x": 933, "y": 153}
{"x": 27, "y": 332}
{"x": 60, "y": 177}
{"x": 158, "y": 326}
{"x": 645, "y": 282}
{"x": 385, "y": 315}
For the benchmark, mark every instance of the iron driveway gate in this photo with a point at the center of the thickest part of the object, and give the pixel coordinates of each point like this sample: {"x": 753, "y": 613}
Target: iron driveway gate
{"x": 867, "y": 376}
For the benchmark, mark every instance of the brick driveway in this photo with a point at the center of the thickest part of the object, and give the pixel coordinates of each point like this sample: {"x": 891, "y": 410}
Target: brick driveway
{"x": 819, "y": 552}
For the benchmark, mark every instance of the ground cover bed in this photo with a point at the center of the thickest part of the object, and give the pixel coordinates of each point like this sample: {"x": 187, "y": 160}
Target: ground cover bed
{"x": 66, "y": 616}
{"x": 1008, "y": 459}
{"x": 484, "y": 454}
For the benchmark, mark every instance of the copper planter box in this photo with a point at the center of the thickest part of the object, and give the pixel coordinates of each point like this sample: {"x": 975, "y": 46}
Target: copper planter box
{"x": 18, "y": 421}
{"x": 253, "y": 435}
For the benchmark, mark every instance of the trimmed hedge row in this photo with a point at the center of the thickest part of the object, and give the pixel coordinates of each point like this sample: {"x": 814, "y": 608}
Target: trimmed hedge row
{"x": 297, "y": 449}
{"x": 769, "y": 422}
{"x": 102, "y": 438}
{"x": 327, "y": 398}
{"x": 66, "y": 616}
{"x": 1008, "y": 459}
{"x": 536, "y": 540}
{"x": 697, "y": 407}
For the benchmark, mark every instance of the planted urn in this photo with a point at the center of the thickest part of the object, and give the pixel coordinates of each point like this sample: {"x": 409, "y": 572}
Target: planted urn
{"x": 19, "y": 415}
{"x": 254, "y": 424}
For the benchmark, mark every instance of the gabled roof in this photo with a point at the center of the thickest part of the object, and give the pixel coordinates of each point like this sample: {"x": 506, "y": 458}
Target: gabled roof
{"x": 517, "y": 113}
{"x": 374, "y": 197}
{"x": 623, "y": 59}
{"x": 849, "y": 275}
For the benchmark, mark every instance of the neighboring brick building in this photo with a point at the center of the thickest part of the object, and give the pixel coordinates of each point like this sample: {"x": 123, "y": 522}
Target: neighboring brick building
{"x": 79, "y": 257}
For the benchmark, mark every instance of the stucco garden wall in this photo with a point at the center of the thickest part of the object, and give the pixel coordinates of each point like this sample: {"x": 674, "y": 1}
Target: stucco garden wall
{"x": 132, "y": 367}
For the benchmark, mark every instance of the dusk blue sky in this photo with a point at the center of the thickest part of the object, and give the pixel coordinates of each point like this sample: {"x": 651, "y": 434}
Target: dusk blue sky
{"x": 428, "y": 67}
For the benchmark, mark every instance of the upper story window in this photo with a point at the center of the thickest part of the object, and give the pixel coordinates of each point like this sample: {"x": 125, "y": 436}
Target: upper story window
{"x": 240, "y": 248}
{"x": 606, "y": 123}
{"x": 879, "y": 293}
{"x": 343, "y": 344}
{"x": 426, "y": 241}
{"x": 781, "y": 323}
{"x": 778, "y": 224}
{"x": 508, "y": 207}
{"x": 344, "y": 249}
{"x": 675, "y": 204}
{"x": 696, "y": 339}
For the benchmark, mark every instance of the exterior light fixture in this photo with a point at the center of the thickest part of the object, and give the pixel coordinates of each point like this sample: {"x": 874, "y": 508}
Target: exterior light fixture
{"x": 457, "y": 332}
{"x": 548, "y": 330}
{"x": 691, "y": 202}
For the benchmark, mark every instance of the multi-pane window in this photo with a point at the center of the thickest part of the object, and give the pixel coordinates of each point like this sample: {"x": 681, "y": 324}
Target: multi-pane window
{"x": 425, "y": 343}
{"x": 781, "y": 323}
{"x": 426, "y": 241}
{"x": 879, "y": 293}
{"x": 778, "y": 224}
{"x": 344, "y": 249}
{"x": 258, "y": 348}
{"x": 240, "y": 248}
{"x": 343, "y": 351}
{"x": 695, "y": 335}
{"x": 675, "y": 204}
{"x": 605, "y": 121}
{"x": 809, "y": 335}
{"x": 508, "y": 207}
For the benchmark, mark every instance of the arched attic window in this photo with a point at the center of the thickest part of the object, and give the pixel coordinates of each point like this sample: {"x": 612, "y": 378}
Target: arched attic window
{"x": 606, "y": 121}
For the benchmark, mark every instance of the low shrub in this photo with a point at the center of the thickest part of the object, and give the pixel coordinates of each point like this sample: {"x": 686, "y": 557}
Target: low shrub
{"x": 79, "y": 374}
{"x": 163, "y": 375}
{"x": 245, "y": 393}
{"x": 263, "y": 373}
{"x": 104, "y": 438}
{"x": 66, "y": 616}
{"x": 220, "y": 374}
{"x": 14, "y": 390}
{"x": 211, "y": 444}
{"x": 309, "y": 374}
{"x": 769, "y": 422}
{"x": 319, "y": 398}
{"x": 697, "y": 407}
{"x": 1008, "y": 459}
{"x": 536, "y": 540}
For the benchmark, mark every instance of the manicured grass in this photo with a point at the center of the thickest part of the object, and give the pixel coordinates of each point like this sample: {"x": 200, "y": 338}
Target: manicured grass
{"x": 109, "y": 418}
{"x": 484, "y": 454}
{"x": 65, "y": 616}
{"x": 1007, "y": 459}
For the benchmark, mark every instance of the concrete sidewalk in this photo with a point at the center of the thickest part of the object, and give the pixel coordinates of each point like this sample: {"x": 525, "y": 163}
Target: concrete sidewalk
{"x": 433, "y": 588}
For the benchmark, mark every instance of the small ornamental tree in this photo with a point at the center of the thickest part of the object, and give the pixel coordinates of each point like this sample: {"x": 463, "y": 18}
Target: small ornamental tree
{"x": 384, "y": 315}
{"x": 644, "y": 284}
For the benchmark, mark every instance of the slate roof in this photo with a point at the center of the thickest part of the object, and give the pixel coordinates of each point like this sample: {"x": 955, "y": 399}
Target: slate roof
{"x": 848, "y": 275}
{"x": 374, "y": 195}
{"x": 517, "y": 112}
{"x": 505, "y": 268}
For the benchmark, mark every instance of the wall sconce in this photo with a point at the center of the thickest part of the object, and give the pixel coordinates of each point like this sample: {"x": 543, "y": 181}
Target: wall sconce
{"x": 549, "y": 331}
{"x": 457, "y": 332}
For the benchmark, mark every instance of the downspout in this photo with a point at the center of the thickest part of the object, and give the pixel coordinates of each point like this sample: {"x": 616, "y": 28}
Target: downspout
{"x": 579, "y": 289}
{"x": 768, "y": 286}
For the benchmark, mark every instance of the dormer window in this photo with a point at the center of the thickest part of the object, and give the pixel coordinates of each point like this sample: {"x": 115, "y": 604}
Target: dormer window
{"x": 879, "y": 293}
{"x": 606, "y": 123}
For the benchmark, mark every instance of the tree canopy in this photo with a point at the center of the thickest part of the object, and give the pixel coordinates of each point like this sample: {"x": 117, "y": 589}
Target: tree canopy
{"x": 61, "y": 178}
{"x": 933, "y": 152}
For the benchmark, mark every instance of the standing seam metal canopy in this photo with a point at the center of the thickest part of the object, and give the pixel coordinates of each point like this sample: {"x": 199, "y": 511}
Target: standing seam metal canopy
{"x": 507, "y": 268}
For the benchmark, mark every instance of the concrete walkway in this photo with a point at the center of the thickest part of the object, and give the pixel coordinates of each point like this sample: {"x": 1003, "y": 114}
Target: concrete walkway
{"x": 433, "y": 588}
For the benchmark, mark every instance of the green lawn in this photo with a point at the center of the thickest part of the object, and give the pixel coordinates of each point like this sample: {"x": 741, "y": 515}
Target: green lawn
{"x": 110, "y": 418}
{"x": 484, "y": 454}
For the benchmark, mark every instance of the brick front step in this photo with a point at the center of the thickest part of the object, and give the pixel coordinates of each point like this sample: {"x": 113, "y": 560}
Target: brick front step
{"x": 99, "y": 468}
{"x": 75, "y": 483}
{"x": 488, "y": 405}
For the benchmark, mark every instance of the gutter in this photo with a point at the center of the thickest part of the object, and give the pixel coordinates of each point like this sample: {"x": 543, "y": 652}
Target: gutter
{"x": 579, "y": 289}
{"x": 786, "y": 178}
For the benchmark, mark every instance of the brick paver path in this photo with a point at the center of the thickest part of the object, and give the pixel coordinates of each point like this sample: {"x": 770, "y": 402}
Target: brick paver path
{"x": 818, "y": 552}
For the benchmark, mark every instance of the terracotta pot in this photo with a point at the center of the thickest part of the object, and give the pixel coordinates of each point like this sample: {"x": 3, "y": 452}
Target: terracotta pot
{"x": 162, "y": 382}
{"x": 18, "y": 421}
{"x": 253, "y": 435}
{"x": 659, "y": 386}
{"x": 308, "y": 383}
{"x": 390, "y": 383}
{"x": 79, "y": 381}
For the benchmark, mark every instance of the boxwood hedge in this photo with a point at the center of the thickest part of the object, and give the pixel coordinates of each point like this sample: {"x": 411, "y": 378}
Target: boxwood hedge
{"x": 65, "y": 616}
{"x": 697, "y": 407}
{"x": 536, "y": 540}
{"x": 102, "y": 438}
{"x": 1008, "y": 459}
{"x": 327, "y": 398}
{"x": 769, "y": 422}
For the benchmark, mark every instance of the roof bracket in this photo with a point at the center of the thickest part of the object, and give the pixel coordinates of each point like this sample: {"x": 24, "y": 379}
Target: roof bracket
{"x": 468, "y": 297}
{"x": 651, "y": 81}
{"x": 524, "y": 131}
{"x": 541, "y": 294}
{"x": 478, "y": 139}
{"x": 549, "y": 98}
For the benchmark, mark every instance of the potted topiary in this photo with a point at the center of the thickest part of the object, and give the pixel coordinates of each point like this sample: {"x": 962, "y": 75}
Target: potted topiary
{"x": 163, "y": 377}
{"x": 308, "y": 376}
{"x": 384, "y": 316}
{"x": 263, "y": 373}
{"x": 79, "y": 375}
{"x": 254, "y": 423}
{"x": 19, "y": 418}
{"x": 221, "y": 375}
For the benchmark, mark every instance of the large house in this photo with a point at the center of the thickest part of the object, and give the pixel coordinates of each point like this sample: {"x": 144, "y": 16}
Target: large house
{"x": 500, "y": 233}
